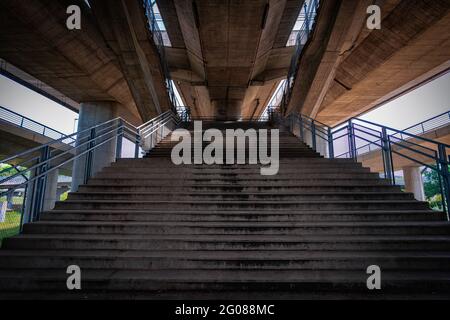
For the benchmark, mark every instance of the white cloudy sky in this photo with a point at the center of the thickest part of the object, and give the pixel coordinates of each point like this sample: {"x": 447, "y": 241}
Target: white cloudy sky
{"x": 426, "y": 102}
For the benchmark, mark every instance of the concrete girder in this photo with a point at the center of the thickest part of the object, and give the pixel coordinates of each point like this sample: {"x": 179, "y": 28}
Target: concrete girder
{"x": 124, "y": 26}
{"x": 76, "y": 63}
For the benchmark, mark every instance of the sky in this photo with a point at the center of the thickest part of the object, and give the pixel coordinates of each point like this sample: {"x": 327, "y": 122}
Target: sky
{"x": 424, "y": 103}
{"x": 421, "y": 104}
{"x": 28, "y": 103}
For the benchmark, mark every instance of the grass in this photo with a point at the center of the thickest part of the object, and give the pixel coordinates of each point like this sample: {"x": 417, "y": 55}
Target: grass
{"x": 11, "y": 226}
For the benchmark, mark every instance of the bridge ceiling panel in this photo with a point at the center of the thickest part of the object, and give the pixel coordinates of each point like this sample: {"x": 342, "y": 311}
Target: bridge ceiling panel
{"x": 411, "y": 46}
{"x": 78, "y": 64}
{"x": 230, "y": 47}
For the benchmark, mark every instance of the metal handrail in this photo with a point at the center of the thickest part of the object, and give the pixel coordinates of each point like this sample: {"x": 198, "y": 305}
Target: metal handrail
{"x": 88, "y": 141}
{"x": 389, "y": 140}
{"x": 444, "y": 120}
{"x": 159, "y": 42}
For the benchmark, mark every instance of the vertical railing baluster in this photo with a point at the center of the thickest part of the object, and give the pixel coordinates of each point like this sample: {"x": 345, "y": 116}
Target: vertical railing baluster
{"x": 330, "y": 143}
{"x": 443, "y": 168}
{"x": 313, "y": 135}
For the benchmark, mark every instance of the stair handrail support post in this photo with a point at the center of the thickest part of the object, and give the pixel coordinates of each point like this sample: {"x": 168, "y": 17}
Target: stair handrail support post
{"x": 137, "y": 145}
{"x": 313, "y": 135}
{"x": 120, "y": 135}
{"x": 89, "y": 156}
{"x": 387, "y": 156}
{"x": 443, "y": 166}
{"x": 352, "y": 141}
{"x": 330, "y": 143}
{"x": 301, "y": 129}
{"x": 40, "y": 185}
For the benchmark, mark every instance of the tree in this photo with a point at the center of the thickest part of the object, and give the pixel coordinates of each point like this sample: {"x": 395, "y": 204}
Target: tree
{"x": 431, "y": 183}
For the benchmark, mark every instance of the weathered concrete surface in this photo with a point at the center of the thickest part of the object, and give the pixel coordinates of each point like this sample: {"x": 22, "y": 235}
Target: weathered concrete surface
{"x": 79, "y": 63}
{"x": 342, "y": 81}
{"x": 125, "y": 29}
{"x": 414, "y": 182}
{"x": 232, "y": 55}
{"x": 92, "y": 114}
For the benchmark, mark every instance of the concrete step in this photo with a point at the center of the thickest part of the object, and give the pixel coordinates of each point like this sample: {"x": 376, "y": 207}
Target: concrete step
{"x": 242, "y": 216}
{"x": 147, "y": 162}
{"x": 233, "y": 176}
{"x": 264, "y": 281}
{"x": 241, "y": 171}
{"x": 237, "y": 205}
{"x": 324, "y": 188}
{"x": 224, "y": 260}
{"x": 353, "y": 243}
{"x": 193, "y": 195}
{"x": 238, "y": 228}
{"x": 274, "y": 182}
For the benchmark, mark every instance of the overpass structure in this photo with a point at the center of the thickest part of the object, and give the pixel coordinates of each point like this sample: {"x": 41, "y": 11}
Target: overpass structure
{"x": 130, "y": 223}
{"x": 227, "y": 58}
{"x": 436, "y": 129}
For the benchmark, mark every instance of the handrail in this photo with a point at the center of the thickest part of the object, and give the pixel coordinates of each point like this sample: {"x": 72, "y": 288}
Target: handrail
{"x": 41, "y": 161}
{"x": 389, "y": 140}
{"x": 8, "y": 115}
{"x": 159, "y": 42}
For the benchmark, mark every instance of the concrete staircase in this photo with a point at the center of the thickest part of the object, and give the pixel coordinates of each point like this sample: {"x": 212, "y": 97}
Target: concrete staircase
{"x": 149, "y": 229}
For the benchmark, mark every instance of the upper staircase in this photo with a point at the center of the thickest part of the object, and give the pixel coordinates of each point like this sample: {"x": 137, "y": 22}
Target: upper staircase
{"x": 145, "y": 228}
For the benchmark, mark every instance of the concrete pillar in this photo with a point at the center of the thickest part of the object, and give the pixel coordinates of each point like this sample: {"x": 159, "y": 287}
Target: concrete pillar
{"x": 414, "y": 182}
{"x": 51, "y": 194}
{"x": 91, "y": 114}
{"x": 322, "y": 146}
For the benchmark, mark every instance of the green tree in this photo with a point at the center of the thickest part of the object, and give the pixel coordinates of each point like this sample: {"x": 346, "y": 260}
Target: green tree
{"x": 431, "y": 183}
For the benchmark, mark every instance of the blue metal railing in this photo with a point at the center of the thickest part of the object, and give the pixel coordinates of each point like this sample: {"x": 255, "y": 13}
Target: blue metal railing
{"x": 158, "y": 38}
{"x": 36, "y": 164}
{"x": 310, "y": 10}
{"x": 423, "y": 127}
{"x": 392, "y": 143}
{"x": 29, "y": 124}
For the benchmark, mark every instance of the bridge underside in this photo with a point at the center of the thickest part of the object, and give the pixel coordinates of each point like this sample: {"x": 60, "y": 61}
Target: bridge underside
{"x": 228, "y": 57}
{"x": 348, "y": 69}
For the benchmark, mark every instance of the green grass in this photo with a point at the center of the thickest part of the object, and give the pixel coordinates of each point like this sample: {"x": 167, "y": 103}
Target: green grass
{"x": 11, "y": 226}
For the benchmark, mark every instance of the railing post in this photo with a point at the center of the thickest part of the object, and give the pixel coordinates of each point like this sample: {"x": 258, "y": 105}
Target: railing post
{"x": 443, "y": 167}
{"x": 352, "y": 141}
{"x": 89, "y": 157}
{"x": 313, "y": 135}
{"x": 330, "y": 143}
{"x": 387, "y": 157}
{"x": 137, "y": 146}
{"x": 119, "y": 140}
{"x": 39, "y": 185}
{"x": 301, "y": 129}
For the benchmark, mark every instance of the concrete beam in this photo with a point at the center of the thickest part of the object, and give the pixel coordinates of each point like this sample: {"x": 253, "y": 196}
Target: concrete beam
{"x": 337, "y": 28}
{"x": 399, "y": 56}
{"x": 138, "y": 56}
{"x": 78, "y": 64}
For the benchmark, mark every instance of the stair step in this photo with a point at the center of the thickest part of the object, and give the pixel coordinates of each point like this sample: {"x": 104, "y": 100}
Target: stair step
{"x": 236, "y": 196}
{"x": 243, "y": 216}
{"x": 356, "y": 243}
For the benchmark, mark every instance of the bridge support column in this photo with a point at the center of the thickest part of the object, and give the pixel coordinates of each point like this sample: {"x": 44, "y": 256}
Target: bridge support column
{"x": 322, "y": 147}
{"x": 51, "y": 193}
{"x": 92, "y": 114}
{"x": 414, "y": 182}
